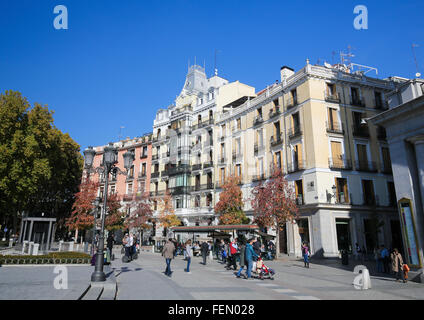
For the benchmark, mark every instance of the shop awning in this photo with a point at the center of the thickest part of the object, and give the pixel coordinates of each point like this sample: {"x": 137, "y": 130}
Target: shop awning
{"x": 221, "y": 228}
{"x": 265, "y": 235}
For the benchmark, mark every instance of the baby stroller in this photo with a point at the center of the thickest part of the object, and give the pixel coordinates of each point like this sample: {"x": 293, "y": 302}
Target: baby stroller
{"x": 263, "y": 272}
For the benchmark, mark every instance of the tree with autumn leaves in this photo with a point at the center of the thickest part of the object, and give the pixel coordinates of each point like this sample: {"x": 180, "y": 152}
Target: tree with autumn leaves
{"x": 82, "y": 218}
{"x": 140, "y": 214}
{"x": 274, "y": 202}
{"x": 230, "y": 204}
{"x": 167, "y": 217}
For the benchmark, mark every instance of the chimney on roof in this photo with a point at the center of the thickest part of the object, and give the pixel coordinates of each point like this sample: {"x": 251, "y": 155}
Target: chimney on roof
{"x": 286, "y": 72}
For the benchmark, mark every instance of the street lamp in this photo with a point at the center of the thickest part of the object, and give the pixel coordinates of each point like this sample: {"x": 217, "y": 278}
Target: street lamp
{"x": 95, "y": 214}
{"x": 110, "y": 158}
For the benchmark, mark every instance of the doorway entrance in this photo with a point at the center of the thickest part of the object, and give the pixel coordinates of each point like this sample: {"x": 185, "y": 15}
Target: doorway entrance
{"x": 282, "y": 240}
{"x": 343, "y": 235}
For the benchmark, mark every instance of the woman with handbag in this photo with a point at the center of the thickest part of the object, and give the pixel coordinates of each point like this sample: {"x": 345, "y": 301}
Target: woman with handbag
{"x": 397, "y": 265}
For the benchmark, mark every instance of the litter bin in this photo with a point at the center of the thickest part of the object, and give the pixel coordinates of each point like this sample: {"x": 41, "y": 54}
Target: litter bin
{"x": 345, "y": 258}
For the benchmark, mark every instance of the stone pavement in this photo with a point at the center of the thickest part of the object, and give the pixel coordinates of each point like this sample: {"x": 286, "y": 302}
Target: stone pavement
{"x": 144, "y": 279}
{"x": 29, "y": 282}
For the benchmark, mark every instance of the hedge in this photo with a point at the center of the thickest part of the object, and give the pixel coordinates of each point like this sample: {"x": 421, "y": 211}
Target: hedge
{"x": 51, "y": 258}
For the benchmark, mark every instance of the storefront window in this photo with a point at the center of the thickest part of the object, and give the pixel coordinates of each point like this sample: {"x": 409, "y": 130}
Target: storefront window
{"x": 343, "y": 235}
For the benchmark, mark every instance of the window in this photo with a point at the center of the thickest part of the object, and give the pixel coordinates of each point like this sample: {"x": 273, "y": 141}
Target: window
{"x": 259, "y": 112}
{"x": 238, "y": 146}
{"x": 299, "y": 191}
{"x": 342, "y": 191}
{"x": 368, "y": 192}
{"x": 197, "y": 201}
{"x": 362, "y": 157}
{"x": 178, "y": 203}
{"x": 275, "y": 102}
{"x": 294, "y": 96}
{"x": 155, "y": 206}
{"x": 143, "y": 169}
{"x": 387, "y": 164}
{"x": 141, "y": 186}
{"x": 112, "y": 189}
{"x": 222, "y": 176}
{"x": 336, "y": 154}
{"x": 209, "y": 200}
{"x": 238, "y": 172}
{"x": 378, "y": 100}
{"x": 333, "y": 119}
{"x": 331, "y": 89}
{"x": 129, "y": 188}
{"x": 392, "y": 194}
{"x": 277, "y": 159}
{"x": 144, "y": 154}
{"x": 239, "y": 124}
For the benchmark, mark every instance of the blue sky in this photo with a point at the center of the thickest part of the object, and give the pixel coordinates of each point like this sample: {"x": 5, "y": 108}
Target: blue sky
{"x": 120, "y": 61}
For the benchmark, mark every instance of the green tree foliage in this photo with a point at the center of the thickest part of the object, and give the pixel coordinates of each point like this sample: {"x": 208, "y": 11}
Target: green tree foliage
{"x": 40, "y": 167}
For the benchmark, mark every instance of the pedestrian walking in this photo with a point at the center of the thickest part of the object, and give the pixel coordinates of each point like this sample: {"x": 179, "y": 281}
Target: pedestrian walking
{"x": 250, "y": 255}
{"x": 385, "y": 257}
{"x": 257, "y": 248}
{"x": 168, "y": 254}
{"x": 242, "y": 248}
{"x": 189, "y": 254}
{"x": 127, "y": 244}
{"x": 109, "y": 243}
{"x": 397, "y": 265}
{"x": 233, "y": 255}
{"x": 305, "y": 253}
{"x": 204, "y": 249}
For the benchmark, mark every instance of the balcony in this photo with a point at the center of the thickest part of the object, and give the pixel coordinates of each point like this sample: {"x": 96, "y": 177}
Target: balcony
{"x": 299, "y": 200}
{"x": 295, "y": 167}
{"x": 179, "y": 190}
{"x": 275, "y": 141}
{"x": 203, "y": 124}
{"x": 381, "y": 105}
{"x": 274, "y": 112}
{"x": 291, "y": 103}
{"x": 361, "y": 131}
{"x": 154, "y": 175}
{"x": 295, "y": 132}
{"x": 141, "y": 175}
{"x": 222, "y": 160}
{"x": 357, "y": 102}
{"x": 334, "y": 127}
{"x": 340, "y": 163}
{"x": 366, "y": 166}
{"x": 332, "y": 97}
{"x": 165, "y": 173}
{"x": 259, "y": 177}
{"x": 143, "y": 156}
{"x": 258, "y": 120}
{"x": 197, "y": 167}
{"x": 129, "y": 178}
{"x": 166, "y": 154}
{"x": 157, "y": 193}
{"x": 181, "y": 169}
{"x": 258, "y": 148}
{"x": 237, "y": 156}
{"x": 207, "y": 165}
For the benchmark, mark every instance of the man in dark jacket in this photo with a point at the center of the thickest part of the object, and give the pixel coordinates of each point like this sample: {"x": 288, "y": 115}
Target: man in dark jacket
{"x": 110, "y": 242}
{"x": 257, "y": 248}
{"x": 204, "y": 249}
{"x": 242, "y": 247}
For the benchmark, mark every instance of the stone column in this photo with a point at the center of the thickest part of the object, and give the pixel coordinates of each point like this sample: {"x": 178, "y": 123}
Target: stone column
{"x": 21, "y": 230}
{"x": 24, "y": 232}
{"x": 30, "y": 231}
{"x": 48, "y": 236}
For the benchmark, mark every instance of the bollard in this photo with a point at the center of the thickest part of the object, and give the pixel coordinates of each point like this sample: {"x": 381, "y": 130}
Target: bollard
{"x": 35, "y": 249}
{"x": 60, "y": 245}
{"x": 362, "y": 281}
{"x": 24, "y": 244}
{"x": 153, "y": 249}
{"x": 31, "y": 248}
{"x": 71, "y": 246}
{"x": 10, "y": 243}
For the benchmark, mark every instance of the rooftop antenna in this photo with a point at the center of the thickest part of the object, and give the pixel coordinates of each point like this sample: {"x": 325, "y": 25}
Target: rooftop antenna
{"x": 333, "y": 55}
{"x": 120, "y": 132}
{"x": 345, "y": 57}
{"x": 418, "y": 74}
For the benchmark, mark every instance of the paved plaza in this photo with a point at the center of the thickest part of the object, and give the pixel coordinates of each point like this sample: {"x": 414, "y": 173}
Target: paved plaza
{"x": 144, "y": 279}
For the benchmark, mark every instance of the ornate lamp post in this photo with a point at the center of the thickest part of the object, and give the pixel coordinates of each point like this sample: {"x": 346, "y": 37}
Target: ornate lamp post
{"x": 95, "y": 214}
{"x": 110, "y": 158}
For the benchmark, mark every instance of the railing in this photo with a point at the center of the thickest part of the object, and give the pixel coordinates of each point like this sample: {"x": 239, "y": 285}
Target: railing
{"x": 128, "y": 197}
{"x": 155, "y": 157}
{"x": 294, "y": 132}
{"x": 276, "y": 141}
{"x": 296, "y": 166}
{"x": 143, "y": 156}
{"x": 258, "y": 148}
{"x": 157, "y": 193}
{"x": 184, "y": 168}
{"x": 362, "y": 131}
{"x": 259, "y": 177}
{"x": 274, "y": 112}
{"x": 201, "y": 187}
{"x": 203, "y": 124}
{"x": 154, "y": 175}
{"x": 291, "y": 103}
{"x": 222, "y": 160}
{"x": 179, "y": 190}
{"x": 358, "y": 102}
{"x": 340, "y": 163}
{"x": 129, "y": 178}
{"x": 208, "y": 165}
{"x": 236, "y": 155}
{"x": 366, "y": 166}
{"x": 381, "y": 105}
{"x": 332, "y": 97}
{"x": 196, "y": 167}
{"x": 299, "y": 200}
{"x": 258, "y": 120}
{"x": 334, "y": 127}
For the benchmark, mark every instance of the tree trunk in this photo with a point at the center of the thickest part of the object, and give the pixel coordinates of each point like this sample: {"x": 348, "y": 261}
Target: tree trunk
{"x": 277, "y": 241}
{"x": 76, "y": 235}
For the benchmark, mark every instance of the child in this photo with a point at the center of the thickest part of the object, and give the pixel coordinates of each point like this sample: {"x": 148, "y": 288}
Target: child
{"x": 405, "y": 272}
